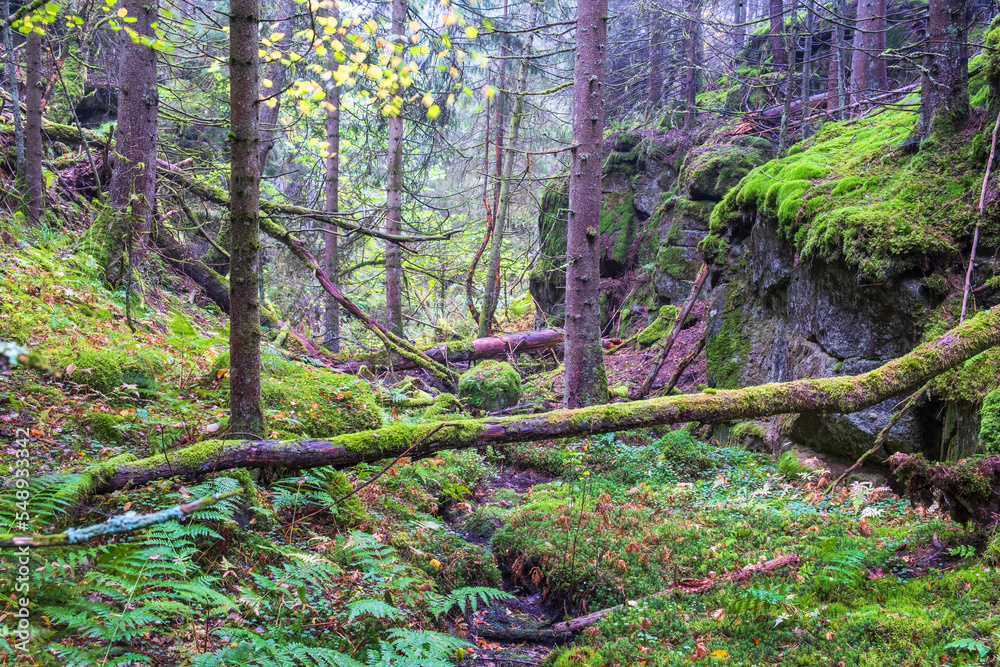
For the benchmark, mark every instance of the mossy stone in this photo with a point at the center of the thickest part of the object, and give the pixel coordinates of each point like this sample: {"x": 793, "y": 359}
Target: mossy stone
{"x": 102, "y": 371}
{"x": 660, "y": 327}
{"x": 320, "y": 404}
{"x": 102, "y": 427}
{"x": 351, "y": 511}
{"x": 490, "y": 386}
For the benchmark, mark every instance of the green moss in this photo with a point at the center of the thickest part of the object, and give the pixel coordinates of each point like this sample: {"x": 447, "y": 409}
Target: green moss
{"x": 102, "y": 426}
{"x": 710, "y": 172}
{"x": 444, "y": 404}
{"x": 98, "y": 240}
{"x": 670, "y": 261}
{"x": 350, "y": 512}
{"x": 728, "y": 351}
{"x": 102, "y": 371}
{"x": 989, "y": 430}
{"x": 320, "y": 404}
{"x": 851, "y": 194}
{"x": 490, "y": 386}
{"x": 618, "y": 221}
{"x": 748, "y": 429}
{"x": 660, "y": 327}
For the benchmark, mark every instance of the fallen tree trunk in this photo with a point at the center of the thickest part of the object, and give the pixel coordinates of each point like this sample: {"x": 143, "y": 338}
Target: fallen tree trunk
{"x": 827, "y": 395}
{"x": 969, "y": 488}
{"x": 475, "y": 349}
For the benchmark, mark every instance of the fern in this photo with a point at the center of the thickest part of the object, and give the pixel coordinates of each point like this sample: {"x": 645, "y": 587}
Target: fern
{"x": 466, "y": 599}
{"x": 376, "y": 608}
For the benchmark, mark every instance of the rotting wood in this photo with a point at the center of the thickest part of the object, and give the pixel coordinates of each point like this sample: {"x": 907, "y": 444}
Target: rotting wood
{"x": 845, "y": 394}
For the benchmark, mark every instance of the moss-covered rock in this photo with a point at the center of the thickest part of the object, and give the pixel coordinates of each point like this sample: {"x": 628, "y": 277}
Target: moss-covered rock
{"x": 712, "y": 171}
{"x": 989, "y": 429}
{"x": 350, "y": 512}
{"x": 320, "y": 404}
{"x": 102, "y": 371}
{"x": 490, "y": 386}
{"x": 102, "y": 426}
{"x": 660, "y": 327}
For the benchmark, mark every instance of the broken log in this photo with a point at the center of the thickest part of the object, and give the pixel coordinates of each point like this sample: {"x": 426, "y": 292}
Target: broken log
{"x": 467, "y": 350}
{"x": 845, "y": 394}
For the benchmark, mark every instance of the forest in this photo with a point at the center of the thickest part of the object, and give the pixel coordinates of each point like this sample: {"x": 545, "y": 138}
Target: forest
{"x": 578, "y": 333}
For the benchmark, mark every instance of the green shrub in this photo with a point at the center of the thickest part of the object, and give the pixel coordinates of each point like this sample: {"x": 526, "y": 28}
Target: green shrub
{"x": 490, "y": 386}
{"x": 789, "y": 465}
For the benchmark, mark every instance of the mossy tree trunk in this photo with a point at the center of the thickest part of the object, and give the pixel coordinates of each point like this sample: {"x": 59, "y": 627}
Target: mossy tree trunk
{"x": 245, "y": 406}
{"x": 394, "y": 193}
{"x": 776, "y": 40}
{"x": 491, "y": 293}
{"x": 133, "y": 180}
{"x": 586, "y": 382}
{"x": 34, "y": 89}
{"x": 944, "y": 81}
{"x": 845, "y": 394}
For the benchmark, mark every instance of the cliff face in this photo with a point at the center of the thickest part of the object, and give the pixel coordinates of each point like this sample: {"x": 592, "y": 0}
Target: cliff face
{"x": 844, "y": 254}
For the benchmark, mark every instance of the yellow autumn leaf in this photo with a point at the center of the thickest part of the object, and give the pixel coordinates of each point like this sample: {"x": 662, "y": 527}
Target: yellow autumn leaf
{"x": 267, "y": 83}
{"x": 450, "y": 18}
{"x": 471, "y": 32}
{"x": 122, "y": 13}
{"x": 428, "y": 100}
{"x": 720, "y": 654}
{"x": 436, "y": 563}
{"x": 453, "y": 72}
{"x": 433, "y": 112}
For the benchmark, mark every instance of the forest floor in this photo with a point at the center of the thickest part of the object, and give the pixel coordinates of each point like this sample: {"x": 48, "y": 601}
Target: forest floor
{"x": 409, "y": 571}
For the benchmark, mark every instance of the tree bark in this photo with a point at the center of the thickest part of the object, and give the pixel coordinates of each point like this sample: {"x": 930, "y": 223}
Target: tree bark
{"x": 778, "y": 56}
{"x": 655, "y": 92}
{"x": 34, "y": 89}
{"x": 331, "y": 254}
{"x": 133, "y": 180}
{"x": 180, "y": 257}
{"x": 10, "y": 73}
{"x": 246, "y": 409}
{"x": 476, "y": 349}
{"x": 807, "y": 71}
{"x": 274, "y": 73}
{"x": 394, "y": 193}
{"x": 491, "y": 293}
{"x": 868, "y": 73}
{"x": 692, "y": 67}
{"x": 944, "y": 82}
{"x": 586, "y": 381}
{"x": 844, "y": 394}
{"x": 786, "y": 113}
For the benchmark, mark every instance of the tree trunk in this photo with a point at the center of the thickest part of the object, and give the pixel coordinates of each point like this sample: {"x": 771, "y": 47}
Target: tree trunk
{"x": 274, "y": 74}
{"x": 878, "y": 77}
{"x": 786, "y": 113}
{"x": 807, "y": 72}
{"x": 740, "y": 33}
{"x": 778, "y": 57}
{"x": 180, "y": 257}
{"x": 491, "y": 293}
{"x": 842, "y": 63}
{"x": 10, "y": 73}
{"x": 861, "y": 57}
{"x": 846, "y": 394}
{"x": 133, "y": 181}
{"x": 394, "y": 194}
{"x": 944, "y": 82}
{"x": 692, "y": 33}
{"x": 331, "y": 255}
{"x": 655, "y": 96}
{"x": 476, "y": 349}
{"x": 246, "y": 409}
{"x": 586, "y": 381}
{"x": 34, "y": 89}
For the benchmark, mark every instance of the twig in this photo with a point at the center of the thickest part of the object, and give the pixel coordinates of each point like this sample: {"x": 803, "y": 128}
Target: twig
{"x": 687, "y": 361}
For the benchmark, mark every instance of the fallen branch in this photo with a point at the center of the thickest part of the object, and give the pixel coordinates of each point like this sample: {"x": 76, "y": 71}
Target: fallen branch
{"x": 843, "y": 394}
{"x": 121, "y": 523}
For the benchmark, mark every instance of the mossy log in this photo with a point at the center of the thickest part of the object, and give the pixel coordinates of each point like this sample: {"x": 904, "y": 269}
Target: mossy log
{"x": 844, "y": 394}
{"x": 474, "y": 349}
{"x": 969, "y": 489}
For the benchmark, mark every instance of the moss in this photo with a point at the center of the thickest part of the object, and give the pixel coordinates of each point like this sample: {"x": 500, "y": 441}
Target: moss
{"x": 660, "y": 327}
{"x": 320, "y": 404}
{"x": 103, "y": 426}
{"x": 579, "y": 657}
{"x": 618, "y": 223}
{"x": 710, "y": 172}
{"x": 989, "y": 429}
{"x": 490, "y": 386}
{"x": 102, "y": 371}
{"x": 748, "y": 429}
{"x": 98, "y": 240}
{"x": 728, "y": 351}
{"x": 850, "y": 194}
{"x": 670, "y": 261}
{"x": 444, "y": 404}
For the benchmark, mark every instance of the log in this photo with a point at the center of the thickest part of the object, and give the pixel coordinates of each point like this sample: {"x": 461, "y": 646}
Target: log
{"x": 475, "y": 349}
{"x": 844, "y": 394}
